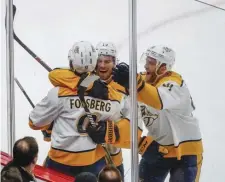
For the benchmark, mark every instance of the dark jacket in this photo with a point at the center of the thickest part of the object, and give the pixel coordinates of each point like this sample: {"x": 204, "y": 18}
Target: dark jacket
{"x": 14, "y": 173}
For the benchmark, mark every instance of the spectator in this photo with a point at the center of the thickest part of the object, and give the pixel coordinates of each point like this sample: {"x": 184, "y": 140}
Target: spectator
{"x": 86, "y": 176}
{"x": 109, "y": 174}
{"x": 20, "y": 169}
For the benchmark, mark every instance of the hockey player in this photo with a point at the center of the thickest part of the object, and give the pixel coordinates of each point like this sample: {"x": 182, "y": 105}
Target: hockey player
{"x": 107, "y": 59}
{"x": 106, "y": 131}
{"x": 167, "y": 114}
{"x": 72, "y": 150}
{"x": 106, "y": 62}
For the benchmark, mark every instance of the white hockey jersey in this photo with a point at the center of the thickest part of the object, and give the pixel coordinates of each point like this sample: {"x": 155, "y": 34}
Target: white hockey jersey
{"x": 70, "y": 144}
{"x": 166, "y": 110}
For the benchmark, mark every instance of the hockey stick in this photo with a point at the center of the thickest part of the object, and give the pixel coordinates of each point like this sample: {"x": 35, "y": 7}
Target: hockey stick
{"x": 82, "y": 90}
{"x": 31, "y": 103}
{"x": 39, "y": 60}
{"x": 210, "y": 5}
{"x": 82, "y": 87}
{"x": 15, "y": 79}
{"x": 24, "y": 92}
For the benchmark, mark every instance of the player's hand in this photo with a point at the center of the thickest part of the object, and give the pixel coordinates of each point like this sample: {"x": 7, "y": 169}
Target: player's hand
{"x": 93, "y": 86}
{"x": 104, "y": 132}
{"x": 121, "y": 74}
{"x": 46, "y": 135}
{"x": 99, "y": 90}
{"x": 151, "y": 150}
{"x": 47, "y": 132}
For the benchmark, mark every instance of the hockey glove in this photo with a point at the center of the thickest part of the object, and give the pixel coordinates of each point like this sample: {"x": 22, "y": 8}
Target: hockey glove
{"x": 92, "y": 86}
{"x": 104, "y": 132}
{"x": 47, "y": 132}
{"x": 150, "y": 150}
{"x": 121, "y": 76}
{"x": 46, "y": 135}
{"x": 99, "y": 90}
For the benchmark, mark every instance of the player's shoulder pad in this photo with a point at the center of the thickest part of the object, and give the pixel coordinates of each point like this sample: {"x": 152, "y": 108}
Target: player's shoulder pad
{"x": 63, "y": 77}
{"x": 118, "y": 87}
{"x": 173, "y": 77}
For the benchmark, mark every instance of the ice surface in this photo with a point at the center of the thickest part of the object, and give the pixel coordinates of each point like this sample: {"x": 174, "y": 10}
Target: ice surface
{"x": 194, "y": 30}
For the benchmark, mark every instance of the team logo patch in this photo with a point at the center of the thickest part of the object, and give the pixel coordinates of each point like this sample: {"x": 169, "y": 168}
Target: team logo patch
{"x": 147, "y": 116}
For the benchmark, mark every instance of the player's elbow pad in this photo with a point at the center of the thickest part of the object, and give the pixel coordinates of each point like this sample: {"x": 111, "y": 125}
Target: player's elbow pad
{"x": 34, "y": 127}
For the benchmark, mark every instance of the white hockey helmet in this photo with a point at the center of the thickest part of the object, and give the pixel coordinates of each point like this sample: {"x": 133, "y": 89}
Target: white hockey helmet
{"x": 82, "y": 57}
{"x": 162, "y": 54}
{"x": 106, "y": 49}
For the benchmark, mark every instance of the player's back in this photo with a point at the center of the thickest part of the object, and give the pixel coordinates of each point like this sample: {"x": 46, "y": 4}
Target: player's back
{"x": 70, "y": 144}
{"x": 174, "y": 124}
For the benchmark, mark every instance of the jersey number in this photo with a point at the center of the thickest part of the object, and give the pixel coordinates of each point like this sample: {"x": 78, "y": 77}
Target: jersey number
{"x": 168, "y": 85}
{"x": 83, "y": 123}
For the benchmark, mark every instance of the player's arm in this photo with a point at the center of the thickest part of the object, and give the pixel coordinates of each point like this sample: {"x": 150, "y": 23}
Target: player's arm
{"x": 63, "y": 77}
{"x": 118, "y": 134}
{"x": 45, "y": 111}
{"x": 47, "y": 131}
{"x": 170, "y": 93}
{"x": 124, "y": 124}
{"x": 110, "y": 132}
{"x": 124, "y": 133}
{"x": 148, "y": 94}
